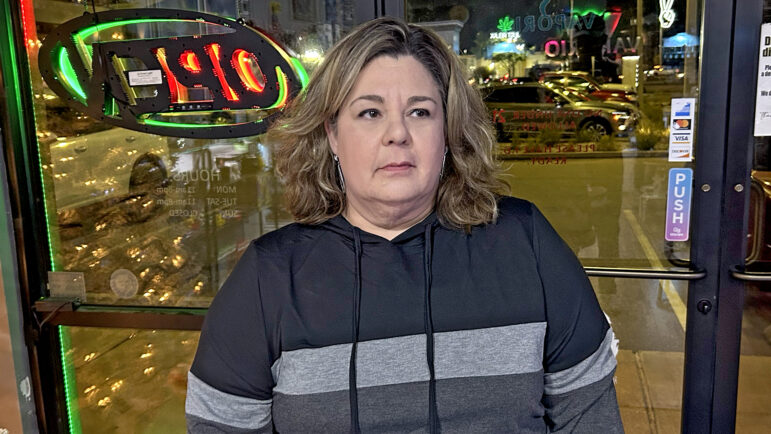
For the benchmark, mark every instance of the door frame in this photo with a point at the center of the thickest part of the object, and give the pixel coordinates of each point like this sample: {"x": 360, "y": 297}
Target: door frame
{"x": 730, "y": 40}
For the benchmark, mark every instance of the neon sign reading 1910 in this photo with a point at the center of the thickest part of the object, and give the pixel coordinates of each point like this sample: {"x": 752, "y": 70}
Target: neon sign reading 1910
{"x": 177, "y": 73}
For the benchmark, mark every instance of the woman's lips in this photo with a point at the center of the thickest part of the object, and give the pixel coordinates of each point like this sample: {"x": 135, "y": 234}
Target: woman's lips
{"x": 397, "y": 167}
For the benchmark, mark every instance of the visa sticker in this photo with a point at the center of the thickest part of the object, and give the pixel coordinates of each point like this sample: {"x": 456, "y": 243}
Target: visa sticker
{"x": 678, "y": 213}
{"x": 681, "y": 129}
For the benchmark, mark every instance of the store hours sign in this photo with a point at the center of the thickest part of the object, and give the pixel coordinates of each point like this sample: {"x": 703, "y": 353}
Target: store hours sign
{"x": 171, "y": 72}
{"x": 763, "y": 96}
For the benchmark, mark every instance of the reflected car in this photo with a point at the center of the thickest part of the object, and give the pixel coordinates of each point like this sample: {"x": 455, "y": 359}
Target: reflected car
{"x": 104, "y": 165}
{"x": 528, "y": 108}
{"x": 662, "y": 71}
{"x": 584, "y": 82}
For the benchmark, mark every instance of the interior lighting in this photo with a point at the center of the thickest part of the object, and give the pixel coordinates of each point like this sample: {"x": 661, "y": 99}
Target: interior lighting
{"x": 312, "y": 54}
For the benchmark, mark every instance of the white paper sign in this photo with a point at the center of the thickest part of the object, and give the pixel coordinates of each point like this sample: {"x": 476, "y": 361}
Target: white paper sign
{"x": 67, "y": 284}
{"x": 763, "y": 95}
{"x": 681, "y": 129}
{"x": 145, "y": 78}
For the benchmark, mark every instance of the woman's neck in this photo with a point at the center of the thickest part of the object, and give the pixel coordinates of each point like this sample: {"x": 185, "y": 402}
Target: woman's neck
{"x": 388, "y": 222}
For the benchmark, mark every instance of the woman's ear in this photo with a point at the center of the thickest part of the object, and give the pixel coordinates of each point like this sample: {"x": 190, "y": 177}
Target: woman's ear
{"x": 331, "y": 136}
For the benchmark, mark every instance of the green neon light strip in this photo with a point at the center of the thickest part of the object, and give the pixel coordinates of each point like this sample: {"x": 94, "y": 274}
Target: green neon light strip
{"x": 589, "y": 11}
{"x": 155, "y": 123}
{"x": 283, "y": 87}
{"x": 14, "y": 90}
{"x": 88, "y": 31}
{"x": 300, "y": 70}
{"x": 110, "y": 107}
{"x": 69, "y": 78}
{"x": 70, "y": 383}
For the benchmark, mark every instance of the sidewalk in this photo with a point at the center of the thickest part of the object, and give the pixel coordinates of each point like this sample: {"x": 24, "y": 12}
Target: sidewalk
{"x": 650, "y": 386}
{"x": 10, "y": 416}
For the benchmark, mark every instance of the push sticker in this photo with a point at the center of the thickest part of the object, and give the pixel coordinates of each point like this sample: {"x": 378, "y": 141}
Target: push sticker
{"x": 679, "y": 204}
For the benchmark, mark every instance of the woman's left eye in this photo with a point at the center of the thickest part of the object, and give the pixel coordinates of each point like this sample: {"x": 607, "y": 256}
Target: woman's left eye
{"x": 421, "y": 113}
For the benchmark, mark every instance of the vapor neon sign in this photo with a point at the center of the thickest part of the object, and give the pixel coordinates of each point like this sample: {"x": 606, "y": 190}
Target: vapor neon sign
{"x": 666, "y": 15}
{"x": 169, "y": 72}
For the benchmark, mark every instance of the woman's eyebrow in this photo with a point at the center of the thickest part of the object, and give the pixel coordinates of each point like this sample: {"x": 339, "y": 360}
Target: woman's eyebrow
{"x": 419, "y": 98}
{"x": 373, "y": 98}
{"x": 379, "y": 99}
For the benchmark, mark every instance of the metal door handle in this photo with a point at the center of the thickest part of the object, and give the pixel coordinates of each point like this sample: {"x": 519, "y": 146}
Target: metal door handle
{"x": 750, "y": 276}
{"x": 632, "y": 273}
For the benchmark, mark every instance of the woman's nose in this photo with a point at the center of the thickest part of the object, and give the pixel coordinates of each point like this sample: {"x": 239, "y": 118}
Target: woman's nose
{"x": 396, "y": 132}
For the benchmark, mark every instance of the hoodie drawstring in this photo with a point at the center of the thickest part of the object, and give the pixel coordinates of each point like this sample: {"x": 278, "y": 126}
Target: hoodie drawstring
{"x": 353, "y": 394}
{"x": 428, "y": 327}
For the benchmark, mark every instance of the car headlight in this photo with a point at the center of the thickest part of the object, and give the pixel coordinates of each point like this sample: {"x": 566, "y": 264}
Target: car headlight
{"x": 620, "y": 117}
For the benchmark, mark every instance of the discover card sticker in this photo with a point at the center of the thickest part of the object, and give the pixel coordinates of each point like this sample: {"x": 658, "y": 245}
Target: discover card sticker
{"x": 681, "y": 129}
{"x": 679, "y": 204}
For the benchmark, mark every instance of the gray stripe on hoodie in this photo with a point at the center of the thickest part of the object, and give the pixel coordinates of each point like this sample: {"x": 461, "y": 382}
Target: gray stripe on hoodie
{"x": 592, "y": 369}
{"x": 514, "y": 349}
{"x": 206, "y": 402}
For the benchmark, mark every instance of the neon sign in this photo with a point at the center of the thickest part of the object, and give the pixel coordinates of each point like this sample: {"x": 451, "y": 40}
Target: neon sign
{"x": 666, "y": 14}
{"x": 545, "y": 22}
{"x": 170, "y": 71}
{"x": 564, "y": 48}
{"x": 505, "y": 24}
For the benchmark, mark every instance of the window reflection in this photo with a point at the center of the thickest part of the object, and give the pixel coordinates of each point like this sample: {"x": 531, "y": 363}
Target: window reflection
{"x": 171, "y": 214}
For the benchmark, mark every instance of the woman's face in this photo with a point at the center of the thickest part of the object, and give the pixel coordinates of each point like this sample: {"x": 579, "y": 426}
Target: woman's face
{"x": 389, "y": 136}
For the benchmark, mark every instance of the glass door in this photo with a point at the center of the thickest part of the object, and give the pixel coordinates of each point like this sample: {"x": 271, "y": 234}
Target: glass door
{"x": 607, "y": 115}
{"x": 613, "y": 116}
{"x": 129, "y": 234}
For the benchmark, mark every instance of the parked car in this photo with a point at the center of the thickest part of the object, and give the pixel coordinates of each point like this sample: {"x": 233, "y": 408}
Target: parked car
{"x": 584, "y": 82}
{"x": 528, "y": 108}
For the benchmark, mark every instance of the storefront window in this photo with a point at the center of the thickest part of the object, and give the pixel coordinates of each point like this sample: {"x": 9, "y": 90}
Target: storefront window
{"x": 122, "y": 380}
{"x": 594, "y": 104}
{"x": 155, "y": 219}
{"x": 588, "y": 98}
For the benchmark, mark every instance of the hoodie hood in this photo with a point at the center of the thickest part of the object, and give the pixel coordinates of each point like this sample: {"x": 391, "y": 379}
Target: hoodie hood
{"x": 340, "y": 225}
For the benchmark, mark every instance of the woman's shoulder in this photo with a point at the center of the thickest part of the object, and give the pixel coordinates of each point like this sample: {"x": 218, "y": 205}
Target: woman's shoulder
{"x": 286, "y": 238}
{"x": 513, "y": 210}
{"x": 510, "y": 205}
{"x": 514, "y": 221}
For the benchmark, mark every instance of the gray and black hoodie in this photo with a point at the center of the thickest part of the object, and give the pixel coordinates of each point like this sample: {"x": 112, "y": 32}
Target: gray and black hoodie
{"x": 330, "y": 329}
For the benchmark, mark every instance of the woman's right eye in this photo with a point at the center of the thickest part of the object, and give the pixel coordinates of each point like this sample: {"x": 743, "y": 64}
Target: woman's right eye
{"x": 369, "y": 113}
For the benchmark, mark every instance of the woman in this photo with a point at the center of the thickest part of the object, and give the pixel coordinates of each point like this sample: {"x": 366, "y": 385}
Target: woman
{"x": 409, "y": 297}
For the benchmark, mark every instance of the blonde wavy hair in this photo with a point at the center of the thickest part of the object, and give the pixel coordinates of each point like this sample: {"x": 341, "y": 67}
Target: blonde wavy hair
{"x": 468, "y": 190}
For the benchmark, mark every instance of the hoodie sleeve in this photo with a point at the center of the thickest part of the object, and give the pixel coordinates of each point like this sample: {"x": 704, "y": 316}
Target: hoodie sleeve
{"x": 579, "y": 362}
{"x": 229, "y": 387}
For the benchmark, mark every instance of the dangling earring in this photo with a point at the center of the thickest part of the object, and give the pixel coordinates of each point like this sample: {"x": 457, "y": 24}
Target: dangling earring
{"x": 339, "y": 172}
{"x": 441, "y": 172}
